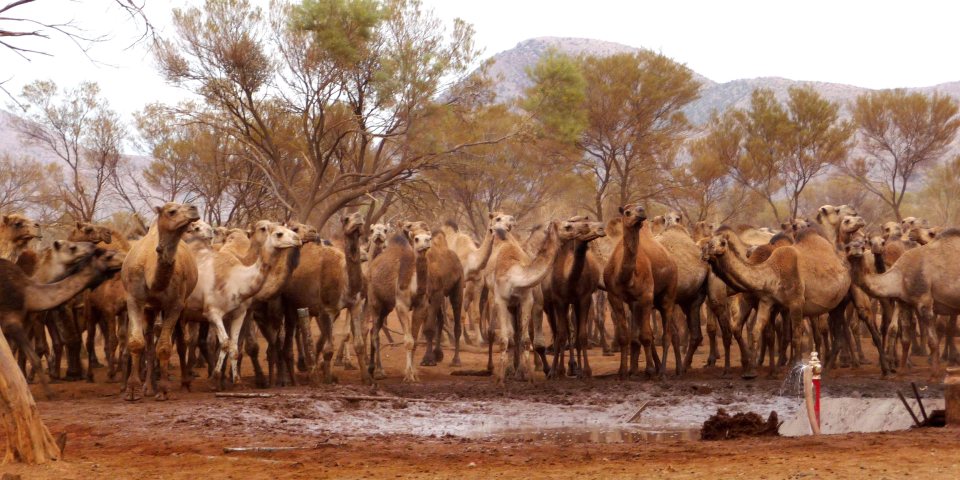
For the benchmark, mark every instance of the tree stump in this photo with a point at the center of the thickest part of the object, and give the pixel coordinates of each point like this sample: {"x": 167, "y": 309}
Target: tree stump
{"x": 27, "y": 438}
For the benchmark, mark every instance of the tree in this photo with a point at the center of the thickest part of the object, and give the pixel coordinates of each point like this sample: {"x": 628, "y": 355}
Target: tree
{"x": 630, "y": 119}
{"x": 941, "y": 193}
{"x": 703, "y": 189}
{"x": 324, "y": 97}
{"x": 900, "y": 133}
{"x": 26, "y": 184}
{"x": 79, "y": 127}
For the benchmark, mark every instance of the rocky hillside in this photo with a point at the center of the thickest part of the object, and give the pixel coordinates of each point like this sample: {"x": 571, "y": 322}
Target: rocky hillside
{"x": 510, "y": 67}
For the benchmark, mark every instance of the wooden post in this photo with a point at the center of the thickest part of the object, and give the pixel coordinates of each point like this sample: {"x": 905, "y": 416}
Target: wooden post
{"x": 28, "y": 439}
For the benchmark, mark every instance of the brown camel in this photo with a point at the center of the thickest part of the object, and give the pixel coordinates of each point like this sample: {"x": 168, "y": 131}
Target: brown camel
{"x": 829, "y": 218}
{"x": 923, "y": 279}
{"x": 641, "y": 275}
{"x": 691, "y": 280}
{"x": 157, "y": 276}
{"x": 326, "y": 281}
{"x": 573, "y": 278}
{"x": 445, "y": 274}
{"x": 398, "y": 281}
{"x": 102, "y": 305}
{"x": 22, "y": 294}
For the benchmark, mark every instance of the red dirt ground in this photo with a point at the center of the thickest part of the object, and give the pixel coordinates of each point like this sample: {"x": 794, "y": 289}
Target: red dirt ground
{"x": 184, "y": 437}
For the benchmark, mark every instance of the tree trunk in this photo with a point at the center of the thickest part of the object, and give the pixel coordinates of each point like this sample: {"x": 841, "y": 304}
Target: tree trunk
{"x": 28, "y": 439}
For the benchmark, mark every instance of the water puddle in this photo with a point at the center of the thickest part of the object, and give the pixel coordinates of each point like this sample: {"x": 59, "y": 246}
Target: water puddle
{"x": 607, "y": 434}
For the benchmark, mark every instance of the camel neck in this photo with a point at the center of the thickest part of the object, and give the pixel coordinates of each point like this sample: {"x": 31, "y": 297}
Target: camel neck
{"x": 630, "y": 239}
{"x": 739, "y": 274}
{"x": 168, "y": 242}
{"x": 354, "y": 272}
{"x": 44, "y": 296}
{"x": 579, "y": 250}
{"x": 286, "y": 262}
{"x": 477, "y": 260}
{"x": 886, "y": 285}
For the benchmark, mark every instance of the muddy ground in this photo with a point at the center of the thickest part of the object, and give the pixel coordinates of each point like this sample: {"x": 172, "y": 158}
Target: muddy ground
{"x": 557, "y": 429}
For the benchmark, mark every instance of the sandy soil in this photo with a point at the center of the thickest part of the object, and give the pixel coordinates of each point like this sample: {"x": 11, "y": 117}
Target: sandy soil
{"x": 472, "y": 432}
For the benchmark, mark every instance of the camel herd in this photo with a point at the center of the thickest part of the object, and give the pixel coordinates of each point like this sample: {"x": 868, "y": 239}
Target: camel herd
{"x": 813, "y": 284}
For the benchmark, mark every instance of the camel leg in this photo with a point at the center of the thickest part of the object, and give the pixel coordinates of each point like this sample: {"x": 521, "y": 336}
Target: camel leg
{"x": 164, "y": 345}
{"x": 641, "y": 337}
{"x": 950, "y": 353}
{"x": 525, "y": 342}
{"x": 13, "y": 326}
{"x": 215, "y": 317}
{"x": 410, "y": 334}
{"x": 862, "y": 307}
{"x": 694, "y": 333}
{"x": 135, "y": 345}
{"x": 93, "y": 319}
{"x": 712, "y": 329}
{"x": 600, "y": 304}
{"x": 377, "y": 324}
{"x": 110, "y": 338}
{"x": 583, "y": 309}
{"x": 622, "y": 332}
{"x": 324, "y": 349}
{"x": 504, "y": 332}
{"x": 359, "y": 336}
{"x": 557, "y": 315}
{"x": 671, "y": 335}
{"x": 432, "y": 329}
{"x": 764, "y": 308}
{"x": 180, "y": 334}
{"x": 927, "y": 319}
{"x": 233, "y": 349}
{"x": 251, "y": 347}
{"x": 905, "y": 329}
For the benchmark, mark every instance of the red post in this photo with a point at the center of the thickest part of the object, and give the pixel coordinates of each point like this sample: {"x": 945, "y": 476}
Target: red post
{"x": 817, "y": 368}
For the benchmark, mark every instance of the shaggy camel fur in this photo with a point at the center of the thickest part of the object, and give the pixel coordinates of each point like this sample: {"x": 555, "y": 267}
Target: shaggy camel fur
{"x": 326, "y": 281}
{"x": 16, "y": 232}
{"x": 157, "y": 276}
{"x": 224, "y": 289}
{"x": 641, "y": 275}
{"x": 923, "y": 279}
{"x": 573, "y": 277}
{"x": 22, "y": 294}
{"x": 398, "y": 281}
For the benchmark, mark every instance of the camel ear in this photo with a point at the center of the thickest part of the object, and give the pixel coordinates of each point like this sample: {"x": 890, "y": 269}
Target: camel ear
{"x": 79, "y": 225}
{"x": 6, "y": 219}
{"x": 620, "y": 209}
{"x": 57, "y": 245}
{"x": 158, "y": 210}
{"x": 490, "y": 215}
{"x": 344, "y": 219}
{"x": 785, "y": 226}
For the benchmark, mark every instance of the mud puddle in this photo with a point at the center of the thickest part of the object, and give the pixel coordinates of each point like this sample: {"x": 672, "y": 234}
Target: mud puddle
{"x": 609, "y": 434}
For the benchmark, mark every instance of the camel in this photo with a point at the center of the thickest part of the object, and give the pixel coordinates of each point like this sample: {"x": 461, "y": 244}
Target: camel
{"x": 463, "y": 245}
{"x": 702, "y": 230}
{"x": 16, "y": 233}
{"x": 158, "y": 277}
{"x": 223, "y": 292}
{"x": 829, "y": 218}
{"x": 515, "y": 275}
{"x": 102, "y": 305}
{"x": 52, "y": 264}
{"x": 641, "y": 275}
{"x": 22, "y": 295}
{"x": 923, "y": 235}
{"x": 398, "y": 281}
{"x": 691, "y": 280}
{"x": 326, "y": 281}
{"x": 445, "y": 281}
{"x": 573, "y": 277}
{"x": 807, "y": 279}
{"x": 923, "y": 279}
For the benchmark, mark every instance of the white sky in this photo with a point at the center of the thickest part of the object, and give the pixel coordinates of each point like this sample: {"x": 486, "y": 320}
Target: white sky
{"x": 877, "y": 44}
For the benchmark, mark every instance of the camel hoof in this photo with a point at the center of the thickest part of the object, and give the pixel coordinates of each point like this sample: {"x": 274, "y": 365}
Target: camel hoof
{"x": 185, "y": 385}
{"x": 455, "y": 362}
{"x": 132, "y": 394}
{"x": 94, "y": 363}
{"x": 585, "y": 373}
{"x": 749, "y": 374}
{"x": 428, "y": 363}
{"x": 302, "y": 365}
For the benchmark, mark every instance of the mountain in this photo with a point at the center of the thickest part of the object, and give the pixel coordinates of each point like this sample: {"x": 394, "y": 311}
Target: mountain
{"x": 509, "y": 68}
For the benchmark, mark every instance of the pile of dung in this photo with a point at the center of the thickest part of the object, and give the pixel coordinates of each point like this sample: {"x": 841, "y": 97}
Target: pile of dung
{"x": 722, "y": 426}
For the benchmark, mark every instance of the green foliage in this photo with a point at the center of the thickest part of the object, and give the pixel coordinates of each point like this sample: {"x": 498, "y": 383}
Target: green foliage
{"x": 556, "y": 96}
{"x": 343, "y": 28}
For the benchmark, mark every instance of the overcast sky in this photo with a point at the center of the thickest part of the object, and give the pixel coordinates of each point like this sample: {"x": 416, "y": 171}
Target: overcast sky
{"x": 877, "y": 44}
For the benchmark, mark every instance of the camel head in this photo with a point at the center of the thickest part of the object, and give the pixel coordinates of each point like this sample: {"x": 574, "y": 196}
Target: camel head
{"x": 220, "y": 234}
{"x": 258, "y": 233}
{"x": 831, "y": 215}
{"x": 658, "y": 223}
{"x": 909, "y": 223}
{"x": 69, "y": 253}
{"x": 352, "y": 224}
{"x": 173, "y": 217}
{"x": 280, "y": 237}
{"x": 877, "y": 242}
{"x": 501, "y": 224}
{"x": 892, "y": 230}
{"x": 673, "y": 218}
{"x": 717, "y": 245}
{"x": 307, "y": 233}
{"x": 855, "y": 249}
{"x": 568, "y": 230}
{"x": 20, "y": 229}
{"x": 851, "y": 224}
{"x": 922, "y": 235}
{"x": 703, "y": 229}
{"x": 633, "y": 215}
{"x": 595, "y": 230}
{"x": 378, "y": 234}
{"x": 421, "y": 240}
{"x": 199, "y": 231}
{"x": 107, "y": 261}
{"x": 88, "y": 232}
{"x": 234, "y": 233}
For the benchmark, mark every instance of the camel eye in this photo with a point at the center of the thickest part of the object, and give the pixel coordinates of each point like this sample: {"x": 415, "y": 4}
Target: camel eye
{"x": 19, "y": 224}
{"x": 279, "y": 234}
